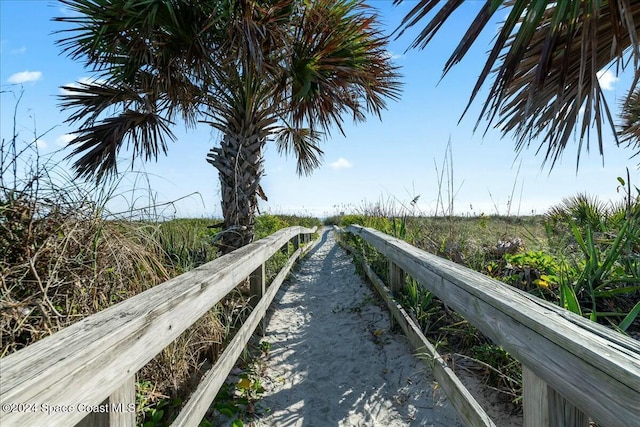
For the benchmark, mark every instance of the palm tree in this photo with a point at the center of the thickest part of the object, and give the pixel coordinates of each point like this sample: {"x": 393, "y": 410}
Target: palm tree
{"x": 629, "y": 130}
{"x": 285, "y": 71}
{"x": 545, "y": 61}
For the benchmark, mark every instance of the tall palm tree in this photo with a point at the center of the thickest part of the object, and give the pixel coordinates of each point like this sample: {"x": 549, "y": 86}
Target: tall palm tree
{"x": 545, "y": 61}
{"x": 285, "y": 71}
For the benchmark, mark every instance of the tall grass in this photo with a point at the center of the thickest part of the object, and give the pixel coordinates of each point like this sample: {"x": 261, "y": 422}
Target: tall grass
{"x": 60, "y": 259}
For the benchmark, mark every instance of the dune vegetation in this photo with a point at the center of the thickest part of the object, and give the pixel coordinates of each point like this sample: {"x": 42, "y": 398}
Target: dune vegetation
{"x": 583, "y": 254}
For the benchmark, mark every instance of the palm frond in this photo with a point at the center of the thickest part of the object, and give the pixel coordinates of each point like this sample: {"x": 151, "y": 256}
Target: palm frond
{"x": 303, "y": 143}
{"x": 93, "y": 98}
{"x": 551, "y": 87}
{"x": 256, "y": 32}
{"x": 100, "y": 144}
{"x": 629, "y": 129}
{"x": 248, "y": 63}
{"x": 121, "y": 38}
{"x": 152, "y": 61}
{"x": 339, "y": 63}
{"x": 545, "y": 63}
{"x": 243, "y": 104}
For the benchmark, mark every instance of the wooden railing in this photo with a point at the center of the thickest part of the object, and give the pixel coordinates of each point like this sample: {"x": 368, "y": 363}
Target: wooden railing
{"x": 85, "y": 374}
{"x": 573, "y": 369}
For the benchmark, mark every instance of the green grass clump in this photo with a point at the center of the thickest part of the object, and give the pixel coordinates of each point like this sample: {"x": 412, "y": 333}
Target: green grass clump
{"x": 186, "y": 243}
{"x": 268, "y": 224}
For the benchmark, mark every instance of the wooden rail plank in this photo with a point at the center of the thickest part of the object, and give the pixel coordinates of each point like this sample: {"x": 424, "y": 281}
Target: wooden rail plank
{"x": 86, "y": 362}
{"x": 199, "y": 402}
{"x": 592, "y": 367}
{"x": 465, "y": 404}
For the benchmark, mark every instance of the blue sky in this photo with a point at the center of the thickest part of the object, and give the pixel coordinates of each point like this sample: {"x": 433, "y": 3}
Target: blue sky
{"x": 386, "y": 161}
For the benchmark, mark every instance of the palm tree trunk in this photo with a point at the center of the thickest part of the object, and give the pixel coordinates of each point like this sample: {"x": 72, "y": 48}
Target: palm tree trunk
{"x": 239, "y": 161}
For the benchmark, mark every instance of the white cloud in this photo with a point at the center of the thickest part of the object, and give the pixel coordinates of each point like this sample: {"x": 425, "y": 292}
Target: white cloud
{"x": 64, "y": 140}
{"x": 393, "y": 55}
{"x": 19, "y": 51}
{"x": 606, "y": 79}
{"x": 341, "y": 163}
{"x": 25, "y": 76}
{"x": 41, "y": 143}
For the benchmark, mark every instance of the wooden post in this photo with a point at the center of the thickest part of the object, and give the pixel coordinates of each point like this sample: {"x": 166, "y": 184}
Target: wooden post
{"x": 396, "y": 278}
{"x": 396, "y": 284}
{"x": 296, "y": 242}
{"x": 120, "y": 408}
{"x": 258, "y": 288}
{"x": 545, "y": 407}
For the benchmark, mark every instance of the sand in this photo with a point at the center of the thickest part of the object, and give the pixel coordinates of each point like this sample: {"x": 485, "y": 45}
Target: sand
{"x": 333, "y": 359}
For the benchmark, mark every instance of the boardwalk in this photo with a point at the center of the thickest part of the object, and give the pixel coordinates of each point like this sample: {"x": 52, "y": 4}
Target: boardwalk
{"x": 334, "y": 361}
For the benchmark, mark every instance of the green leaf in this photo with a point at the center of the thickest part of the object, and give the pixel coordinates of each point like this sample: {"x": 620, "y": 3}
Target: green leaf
{"x": 237, "y": 423}
{"x": 226, "y": 411}
{"x": 157, "y": 415}
{"x": 569, "y": 299}
{"x": 244, "y": 384}
{"x": 630, "y": 318}
{"x": 615, "y": 250}
{"x": 610, "y": 314}
{"x": 576, "y": 232}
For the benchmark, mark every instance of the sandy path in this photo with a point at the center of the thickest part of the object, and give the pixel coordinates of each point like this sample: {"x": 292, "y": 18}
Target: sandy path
{"x": 333, "y": 360}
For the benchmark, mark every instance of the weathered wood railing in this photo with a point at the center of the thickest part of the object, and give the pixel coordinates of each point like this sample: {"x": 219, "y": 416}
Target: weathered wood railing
{"x": 85, "y": 374}
{"x": 572, "y": 368}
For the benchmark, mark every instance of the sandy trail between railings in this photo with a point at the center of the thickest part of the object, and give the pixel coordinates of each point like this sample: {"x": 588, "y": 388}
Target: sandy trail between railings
{"x": 334, "y": 361}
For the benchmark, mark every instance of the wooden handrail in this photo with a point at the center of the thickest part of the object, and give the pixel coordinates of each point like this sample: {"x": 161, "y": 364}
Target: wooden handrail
{"x": 53, "y": 381}
{"x": 564, "y": 356}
